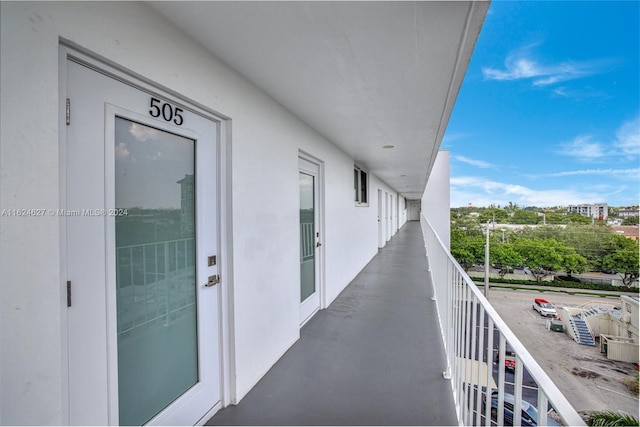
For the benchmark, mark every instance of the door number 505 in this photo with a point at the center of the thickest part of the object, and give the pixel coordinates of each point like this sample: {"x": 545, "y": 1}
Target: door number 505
{"x": 168, "y": 112}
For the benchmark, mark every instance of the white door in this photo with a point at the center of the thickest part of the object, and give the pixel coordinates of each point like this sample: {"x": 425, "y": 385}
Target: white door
{"x": 380, "y": 220}
{"x": 392, "y": 216}
{"x": 141, "y": 222}
{"x": 310, "y": 241}
{"x": 386, "y": 217}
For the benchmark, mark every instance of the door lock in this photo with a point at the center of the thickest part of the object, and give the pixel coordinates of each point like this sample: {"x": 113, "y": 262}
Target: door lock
{"x": 212, "y": 281}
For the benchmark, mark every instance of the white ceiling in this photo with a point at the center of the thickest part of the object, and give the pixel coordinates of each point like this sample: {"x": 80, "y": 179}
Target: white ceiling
{"x": 363, "y": 74}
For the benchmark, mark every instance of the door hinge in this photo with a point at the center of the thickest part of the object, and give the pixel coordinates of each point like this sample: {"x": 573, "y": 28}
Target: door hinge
{"x": 68, "y": 111}
{"x": 68, "y": 293}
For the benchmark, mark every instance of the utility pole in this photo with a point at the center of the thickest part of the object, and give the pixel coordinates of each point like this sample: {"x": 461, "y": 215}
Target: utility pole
{"x": 486, "y": 265}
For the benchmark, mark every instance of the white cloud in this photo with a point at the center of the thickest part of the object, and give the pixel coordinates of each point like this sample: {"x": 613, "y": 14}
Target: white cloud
{"x": 632, "y": 173}
{"x": 478, "y": 163}
{"x": 519, "y": 65}
{"x": 483, "y": 192}
{"x": 451, "y": 137}
{"x": 122, "y": 152}
{"x": 584, "y": 93}
{"x": 625, "y": 145}
{"x": 583, "y": 148}
{"x": 628, "y": 138}
{"x": 521, "y": 68}
{"x": 143, "y": 133}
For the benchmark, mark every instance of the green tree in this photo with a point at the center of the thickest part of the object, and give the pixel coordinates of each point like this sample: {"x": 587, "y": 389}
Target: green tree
{"x": 611, "y": 418}
{"x": 624, "y": 260}
{"x": 505, "y": 257}
{"x": 593, "y": 242}
{"x": 632, "y": 220}
{"x": 541, "y": 256}
{"x": 546, "y": 256}
{"x": 540, "y": 232}
{"x": 511, "y": 208}
{"x": 494, "y": 214}
{"x": 524, "y": 217}
{"x": 467, "y": 224}
{"x": 466, "y": 249}
{"x": 573, "y": 262}
{"x": 555, "y": 218}
{"x": 578, "y": 219}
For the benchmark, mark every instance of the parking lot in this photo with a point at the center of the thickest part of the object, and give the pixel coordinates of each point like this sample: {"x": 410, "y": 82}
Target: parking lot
{"x": 586, "y": 377}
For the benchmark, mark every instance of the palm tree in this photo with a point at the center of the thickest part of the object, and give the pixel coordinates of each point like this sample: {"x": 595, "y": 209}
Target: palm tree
{"x": 610, "y": 418}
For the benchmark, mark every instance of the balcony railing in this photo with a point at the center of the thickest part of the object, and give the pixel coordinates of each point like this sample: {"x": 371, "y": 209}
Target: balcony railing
{"x": 155, "y": 283}
{"x": 474, "y": 337}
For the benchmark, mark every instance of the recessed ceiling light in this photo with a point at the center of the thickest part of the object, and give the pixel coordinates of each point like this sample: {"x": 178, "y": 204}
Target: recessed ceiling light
{"x": 388, "y": 146}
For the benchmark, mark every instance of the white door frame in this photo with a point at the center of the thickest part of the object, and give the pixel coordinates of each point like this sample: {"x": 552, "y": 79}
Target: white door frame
{"x": 224, "y": 259}
{"x": 320, "y": 258}
{"x": 387, "y": 232}
{"x": 380, "y": 220}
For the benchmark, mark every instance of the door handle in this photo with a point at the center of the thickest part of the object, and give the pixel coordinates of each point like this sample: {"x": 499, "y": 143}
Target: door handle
{"x": 212, "y": 281}
{"x": 318, "y": 244}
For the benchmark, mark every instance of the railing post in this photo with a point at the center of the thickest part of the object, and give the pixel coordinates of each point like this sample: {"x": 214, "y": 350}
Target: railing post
{"x": 489, "y": 390}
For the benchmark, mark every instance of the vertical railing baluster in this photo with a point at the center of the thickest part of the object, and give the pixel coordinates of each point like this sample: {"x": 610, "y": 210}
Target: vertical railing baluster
{"x": 517, "y": 407}
{"x": 489, "y": 390}
{"x": 463, "y": 352}
{"x": 144, "y": 282}
{"x": 445, "y": 316}
{"x": 133, "y": 288}
{"x": 471, "y": 375}
{"x": 452, "y": 324}
{"x": 501, "y": 379}
{"x": 467, "y": 355}
{"x": 158, "y": 280}
{"x": 481, "y": 359}
{"x": 167, "y": 266}
{"x": 542, "y": 408}
{"x": 459, "y": 314}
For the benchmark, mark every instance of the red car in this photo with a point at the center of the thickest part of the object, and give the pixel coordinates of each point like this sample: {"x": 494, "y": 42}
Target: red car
{"x": 509, "y": 358}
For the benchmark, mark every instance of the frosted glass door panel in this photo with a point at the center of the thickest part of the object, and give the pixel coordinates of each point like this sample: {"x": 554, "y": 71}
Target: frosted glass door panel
{"x": 155, "y": 269}
{"x": 307, "y": 237}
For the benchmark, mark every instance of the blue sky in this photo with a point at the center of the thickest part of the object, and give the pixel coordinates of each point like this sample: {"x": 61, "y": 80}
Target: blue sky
{"x": 549, "y": 111}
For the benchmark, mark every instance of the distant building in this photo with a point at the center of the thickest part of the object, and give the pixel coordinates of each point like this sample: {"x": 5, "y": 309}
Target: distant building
{"x": 599, "y": 211}
{"x": 628, "y": 231}
{"x": 615, "y": 324}
{"x": 628, "y": 212}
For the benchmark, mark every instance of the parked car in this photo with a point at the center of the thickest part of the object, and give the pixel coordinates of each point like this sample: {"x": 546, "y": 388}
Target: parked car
{"x": 509, "y": 358}
{"x": 544, "y": 307}
{"x": 529, "y": 415}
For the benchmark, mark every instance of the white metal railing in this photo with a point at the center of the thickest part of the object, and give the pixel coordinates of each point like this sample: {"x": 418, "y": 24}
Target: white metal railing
{"x": 472, "y": 332}
{"x": 155, "y": 282}
{"x": 307, "y": 241}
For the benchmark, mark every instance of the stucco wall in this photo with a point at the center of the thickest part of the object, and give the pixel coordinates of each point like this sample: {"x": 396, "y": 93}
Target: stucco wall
{"x": 265, "y": 143}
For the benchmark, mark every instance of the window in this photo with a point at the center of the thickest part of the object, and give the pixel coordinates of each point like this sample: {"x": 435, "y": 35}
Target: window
{"x": 360, "y": 186}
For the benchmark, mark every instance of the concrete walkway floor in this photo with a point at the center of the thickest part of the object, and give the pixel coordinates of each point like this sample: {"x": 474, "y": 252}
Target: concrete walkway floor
{"x": 374, "y": 357}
